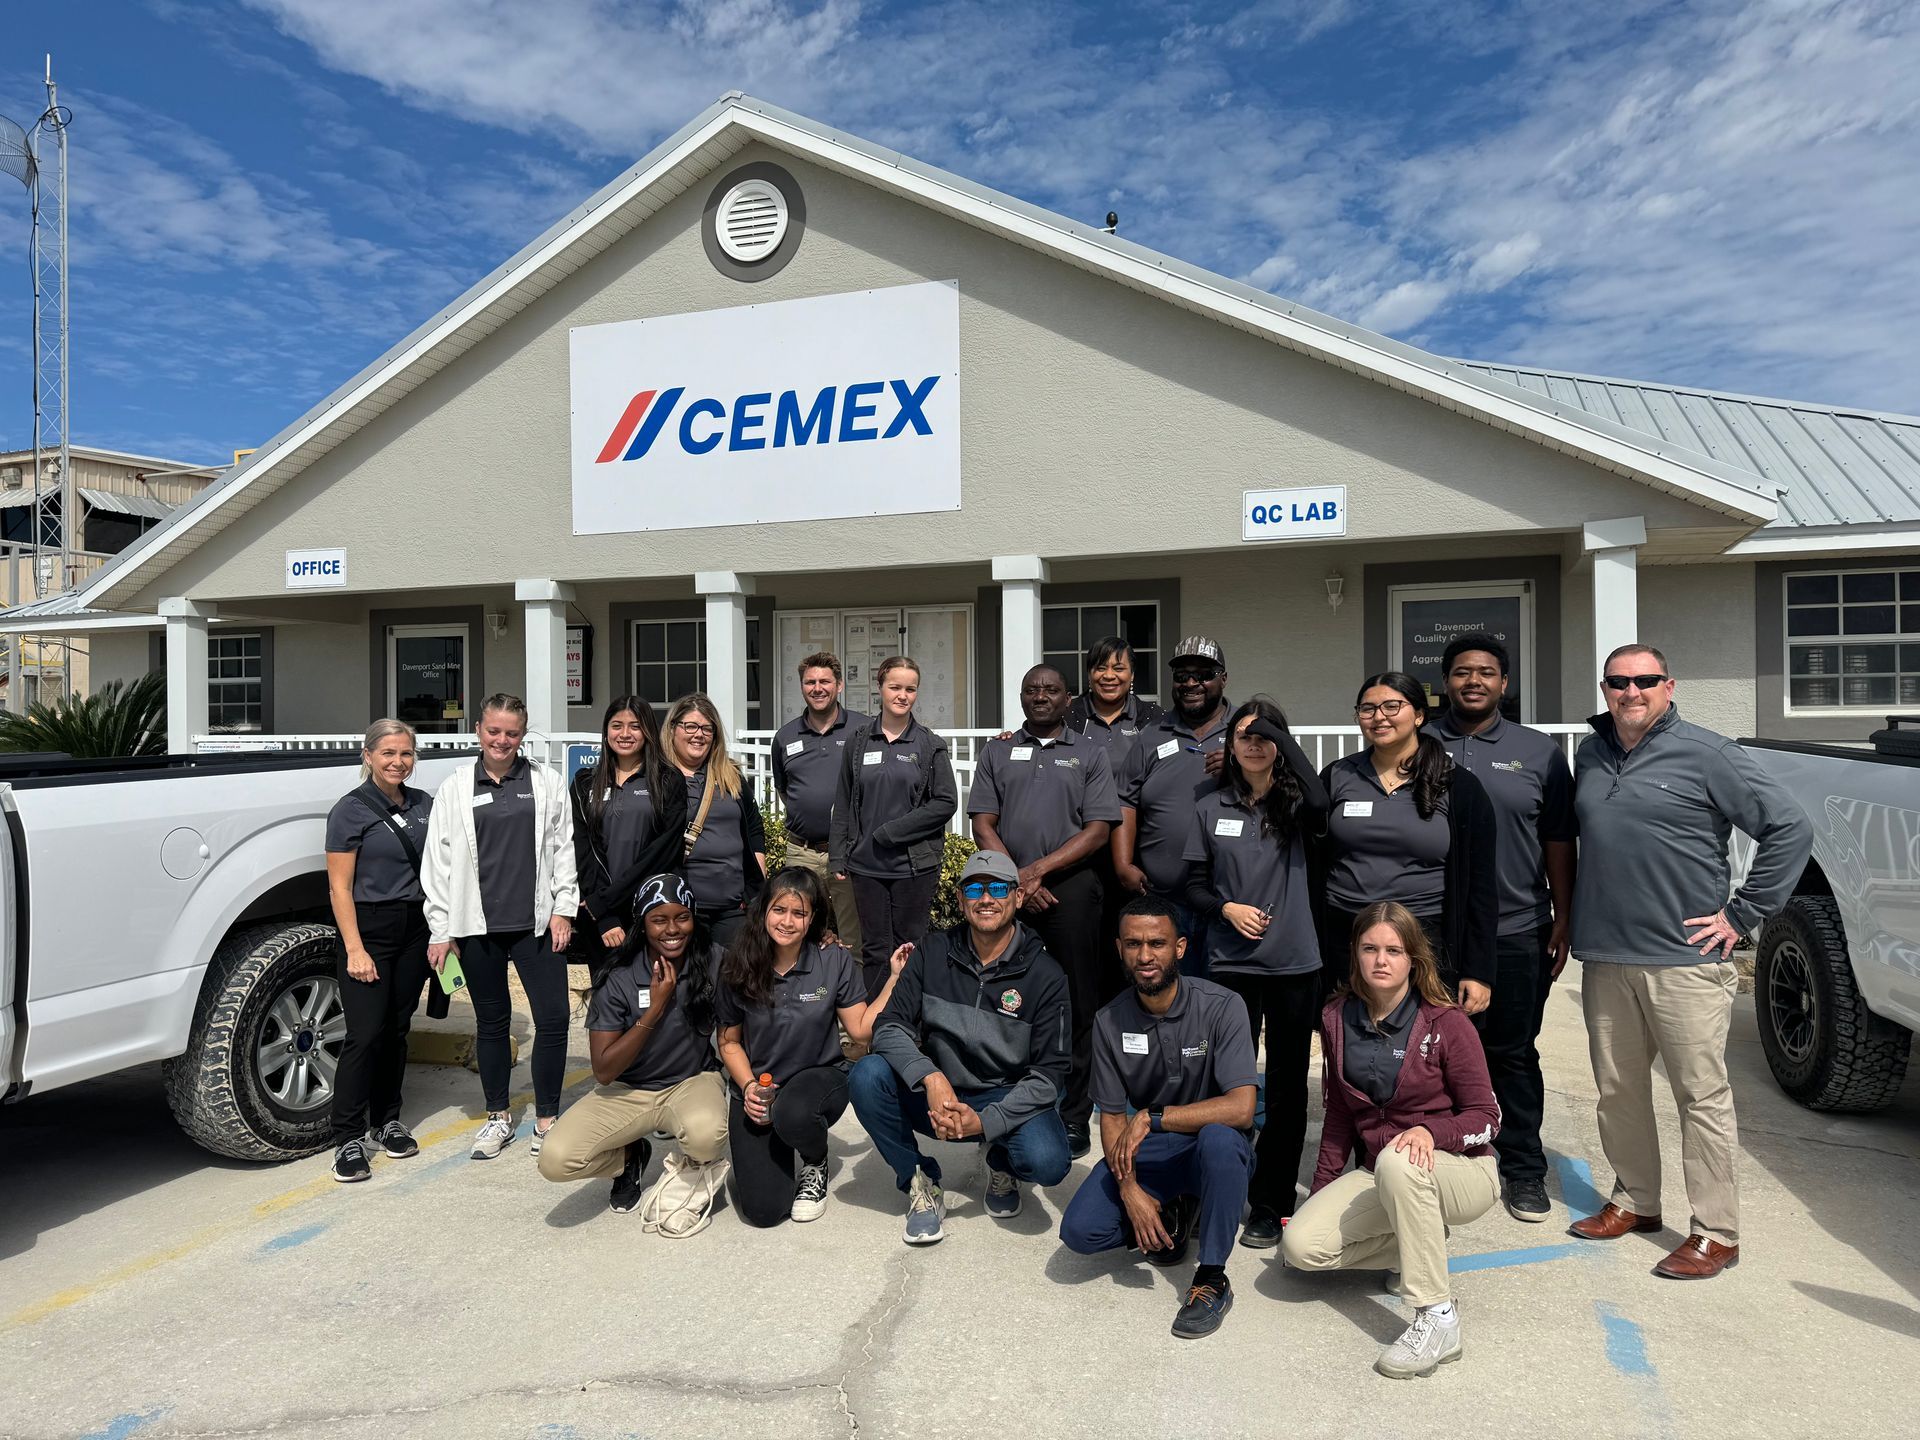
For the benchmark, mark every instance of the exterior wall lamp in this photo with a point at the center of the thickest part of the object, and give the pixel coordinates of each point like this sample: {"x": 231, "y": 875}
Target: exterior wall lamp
{"x": 1336, "y": 586}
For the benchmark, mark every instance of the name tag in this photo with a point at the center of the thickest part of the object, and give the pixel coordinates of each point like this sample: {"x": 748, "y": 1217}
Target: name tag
{"x": 872, "y": 757}
{"x": 1229, "y": 828}
{"x": 485, "y": 797}
{"x": 1168, "y": 750}
{"x": 795, "y": 747}
{"x": 1134, "y": 1044}
{"x": 645, "y": 1002}
{"x": 1020, "y": 752}
{"x": 1357, "y": 809}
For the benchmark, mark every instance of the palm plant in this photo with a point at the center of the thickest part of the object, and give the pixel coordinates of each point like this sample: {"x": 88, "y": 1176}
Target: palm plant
{"x": 120, "y": 718}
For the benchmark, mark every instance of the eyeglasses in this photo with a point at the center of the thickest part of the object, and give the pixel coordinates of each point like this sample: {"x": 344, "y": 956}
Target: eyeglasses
{"x": 693, "y": 727}
{"x": 1388, "y": 708}
{"x": 1637, "y": 682}
{"x": 1197, "y": 677}
{"x": 979, "y": 889}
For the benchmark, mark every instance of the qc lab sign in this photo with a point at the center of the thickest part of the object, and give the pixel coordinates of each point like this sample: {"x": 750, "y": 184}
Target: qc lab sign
{"x": 1316, "y": 513}
{"x": 817, "y": 409}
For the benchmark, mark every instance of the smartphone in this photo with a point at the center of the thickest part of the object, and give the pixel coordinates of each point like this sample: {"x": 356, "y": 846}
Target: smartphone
{"x": 452, "y": 977}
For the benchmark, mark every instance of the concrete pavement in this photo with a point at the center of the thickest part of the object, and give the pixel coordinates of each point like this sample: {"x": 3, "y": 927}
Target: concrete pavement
{"x": 148, "y": 1289}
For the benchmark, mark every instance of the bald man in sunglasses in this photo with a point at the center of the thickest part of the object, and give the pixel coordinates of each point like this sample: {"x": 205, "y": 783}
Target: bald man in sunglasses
{"x": 1654, "y": 930}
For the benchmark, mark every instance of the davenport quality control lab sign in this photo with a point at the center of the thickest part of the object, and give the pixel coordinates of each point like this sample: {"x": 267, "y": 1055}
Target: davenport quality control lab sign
{"x": 816, "y": 409}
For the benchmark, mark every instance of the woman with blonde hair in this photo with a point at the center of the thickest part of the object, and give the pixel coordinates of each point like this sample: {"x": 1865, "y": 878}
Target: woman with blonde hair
{"x": 1406, "y": 1086}
{"x": 375, "y": 833}
{"x": 725, "y": 855}
{"x": 890, "y": 815}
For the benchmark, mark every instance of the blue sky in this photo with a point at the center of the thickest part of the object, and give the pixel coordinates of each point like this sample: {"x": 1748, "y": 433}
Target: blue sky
{"x": 268, "y": 193}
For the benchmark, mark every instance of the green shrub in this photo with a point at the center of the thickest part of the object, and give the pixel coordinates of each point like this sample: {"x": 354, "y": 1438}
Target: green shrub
{"x": 946, "y": 902}
{"x": 119, "y": 718}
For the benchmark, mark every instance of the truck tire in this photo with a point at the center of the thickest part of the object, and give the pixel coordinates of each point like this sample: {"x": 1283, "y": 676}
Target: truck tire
{"x": 1826, "y": 1049}
{"x": 256, "y": 1079}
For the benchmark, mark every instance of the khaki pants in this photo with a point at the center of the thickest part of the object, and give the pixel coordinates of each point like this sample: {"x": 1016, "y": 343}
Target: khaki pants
{"x": 591, "y": 1136}
{"x": 846, "y": 916}
{"x": 1679, "y": 1013}
{"x": 1393, "y": 1217}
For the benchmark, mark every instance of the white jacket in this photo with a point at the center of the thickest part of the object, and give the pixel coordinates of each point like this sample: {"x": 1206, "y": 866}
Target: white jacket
{"x": 450, "y": 867}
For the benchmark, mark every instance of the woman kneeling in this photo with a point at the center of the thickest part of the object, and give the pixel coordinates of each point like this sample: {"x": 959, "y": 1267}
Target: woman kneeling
{"x": 1407, "y": 1081}
{"x": 783, "y": 999}
{"x": 650, "y": 1031}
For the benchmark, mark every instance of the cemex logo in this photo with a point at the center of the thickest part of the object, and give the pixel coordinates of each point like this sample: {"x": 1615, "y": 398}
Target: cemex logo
{"x": 869, "y": 410}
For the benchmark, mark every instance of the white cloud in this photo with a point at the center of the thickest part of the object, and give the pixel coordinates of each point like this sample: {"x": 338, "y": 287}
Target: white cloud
{"x": 1405, "y": 305}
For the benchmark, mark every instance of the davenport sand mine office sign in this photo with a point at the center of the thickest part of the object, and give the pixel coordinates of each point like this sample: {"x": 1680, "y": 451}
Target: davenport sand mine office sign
{"x": 776, "y": 389}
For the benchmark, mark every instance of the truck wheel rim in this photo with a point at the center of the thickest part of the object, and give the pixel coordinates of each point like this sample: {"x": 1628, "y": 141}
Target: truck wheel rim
{"x": 1790, "y": 1000}
{"x": 300, "y": 1044}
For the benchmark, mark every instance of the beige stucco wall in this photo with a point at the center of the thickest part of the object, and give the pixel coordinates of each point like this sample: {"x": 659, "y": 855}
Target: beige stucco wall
{"x": 1702, "y": 618}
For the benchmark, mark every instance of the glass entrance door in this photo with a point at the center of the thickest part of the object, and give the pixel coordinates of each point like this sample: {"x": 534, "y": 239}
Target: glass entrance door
{"x": 1424, "y": 619}
{"x": 427, "y": 677}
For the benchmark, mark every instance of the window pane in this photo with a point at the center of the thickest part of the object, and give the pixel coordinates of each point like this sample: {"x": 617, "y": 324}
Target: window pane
{"x": 1815, "y": 694}
{"x": 1910, "y": 584}
{"x": 1910, "y": 689}
{"x": 682, "y": 679}
{"x": 1910, "y": 619}
{"x": 1869, "y": 620}
{"x": 650, "y": 683}
{"x": 1910, "y": 657}
{"x": 753, "y": 640}
{"x": 1146, "y": 672}
{"x": 250, "y": 646}
{"x": 1822, "y": 621}
{"x": 683, "y": 640}
{"x": 1060, "y": 628}
{"x": 1813, "y": 589}
{"x": 1868, "y": 690}
{"x": 1140, "y": 626}
{"x": 1819, "y": 659}
{"x": 252, "y": 692}
{"x": 649, "y": 642}
{"x": 1097, "y": 622}
{"x": 1866, "y": 659}
{"x": 1868, "y": 585}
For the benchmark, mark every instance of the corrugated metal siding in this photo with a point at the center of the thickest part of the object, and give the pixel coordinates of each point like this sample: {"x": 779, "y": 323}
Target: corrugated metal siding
{"x": 1832, "y": 467}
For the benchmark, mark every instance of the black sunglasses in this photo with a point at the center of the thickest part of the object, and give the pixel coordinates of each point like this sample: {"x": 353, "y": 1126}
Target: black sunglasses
{"x": 1197, "y": 677}
{"x": 1637, "y": 682}
{"x": 975, "y": 889}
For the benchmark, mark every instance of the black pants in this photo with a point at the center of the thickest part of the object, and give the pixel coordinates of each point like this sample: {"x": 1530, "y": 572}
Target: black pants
{"x": 1070, "y": 930}
{"x": 373, "y": 1061}
{"x": 1289, "y": 1008}
{"x": 724, "y": 923}
{"x": 543, "y": 975}
{"x": 1509, "y": 1028}
{"x": 892, "y": 913}
{"x": 804, "y": 1109}
{"x": 1336, "y": 947}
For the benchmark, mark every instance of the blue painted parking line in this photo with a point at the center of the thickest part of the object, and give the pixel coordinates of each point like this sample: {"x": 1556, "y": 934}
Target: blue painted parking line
{"x": 1577, "y": 1188}
{"x": 122, "y": 1426}
{"x": 292, "y": 1239}
{"x": 1626, "y": 1342}
{"x": 1499, "y": 1259}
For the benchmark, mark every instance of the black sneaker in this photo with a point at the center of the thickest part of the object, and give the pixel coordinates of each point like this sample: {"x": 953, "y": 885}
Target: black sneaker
{"x": 395, "y": 1139}
{"x": 350, "y": 1163}
{"x": 1262, "y": 1230}
{"x": 1177, "y": 1217}
{"x": 1527, "y": 1200}
{"x": 1203, "y": 1310}
{"x": 626, "y": 1185}
{"x": 1079, "y": 1138}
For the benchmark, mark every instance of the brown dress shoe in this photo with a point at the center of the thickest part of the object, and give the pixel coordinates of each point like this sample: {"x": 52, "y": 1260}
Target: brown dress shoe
{"x": 1698, "y": 1259}
{"x": 1611, "y": 1223}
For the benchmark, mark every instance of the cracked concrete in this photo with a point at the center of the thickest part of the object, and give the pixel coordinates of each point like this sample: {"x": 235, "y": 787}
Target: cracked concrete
{"x": 148, "y": 1290}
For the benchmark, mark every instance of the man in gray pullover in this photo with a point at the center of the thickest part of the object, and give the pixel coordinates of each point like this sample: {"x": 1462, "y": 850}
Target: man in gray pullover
{"x": 1653, "y": 928}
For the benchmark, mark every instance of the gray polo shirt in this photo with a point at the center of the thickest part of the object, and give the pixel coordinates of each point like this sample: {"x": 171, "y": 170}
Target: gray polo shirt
{"x": 628, "y": 821}
{"x": 1249, "y": 868}
{"x": 806, "y": 770}
{"x": 1526, "y": 776}
{"x": 503, "y": 820}
{"x": 1199, "y": 1050}
{"x": 363, "y": 824}
{"x": 1381, "y": 848}
{"x": 888, "y": 774}
{"x": 1370, "y": 1055}
{"x": 675, "y": 1051}
{"x": 1165, "y": 779}
{"x": 1044, "y": 791}
{"x": 1117, "y": 738}
{"x": 799, "y": 1030}
{"x": 716, "y": 871}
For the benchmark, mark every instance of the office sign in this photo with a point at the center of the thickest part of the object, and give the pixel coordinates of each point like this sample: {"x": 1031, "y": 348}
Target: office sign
{"x": 1316, "y": 513}
{"x": 819, "y": 409}
{"x": 316, "y": 569}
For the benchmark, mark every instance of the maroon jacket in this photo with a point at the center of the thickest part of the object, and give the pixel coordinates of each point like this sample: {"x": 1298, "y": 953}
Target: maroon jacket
{"x": 1443, "y": 1085}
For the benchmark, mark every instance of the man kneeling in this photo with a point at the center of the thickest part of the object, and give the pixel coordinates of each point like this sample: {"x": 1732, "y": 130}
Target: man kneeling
{"x": 1178, "y": 1053}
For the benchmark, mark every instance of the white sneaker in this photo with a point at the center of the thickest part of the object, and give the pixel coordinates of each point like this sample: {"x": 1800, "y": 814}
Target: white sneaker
{"x": 926, "y": 1208}
{"x": 1423, "y": 1347}
{"x": 539, "y": 1135}
{"x": 494, "y": 1137}
{"x": 810, "y": 1193}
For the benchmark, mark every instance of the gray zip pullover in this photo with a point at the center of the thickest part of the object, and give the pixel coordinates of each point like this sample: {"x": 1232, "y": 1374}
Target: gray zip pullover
{"x": 1654, "y": 822}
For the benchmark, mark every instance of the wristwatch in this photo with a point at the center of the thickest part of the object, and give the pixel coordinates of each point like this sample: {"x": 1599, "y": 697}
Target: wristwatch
{"x": 1154, "y": 1117}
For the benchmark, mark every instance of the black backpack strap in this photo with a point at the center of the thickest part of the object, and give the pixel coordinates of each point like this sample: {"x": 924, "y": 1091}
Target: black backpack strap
{"x": 406, "y": 840}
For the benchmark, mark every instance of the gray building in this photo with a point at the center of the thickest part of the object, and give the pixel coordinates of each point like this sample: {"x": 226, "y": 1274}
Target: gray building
{"x": 1116, "y": 441}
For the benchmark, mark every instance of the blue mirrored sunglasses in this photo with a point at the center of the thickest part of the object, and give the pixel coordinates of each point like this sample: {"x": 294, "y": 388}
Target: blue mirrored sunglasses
{"x": 975, "y": 889}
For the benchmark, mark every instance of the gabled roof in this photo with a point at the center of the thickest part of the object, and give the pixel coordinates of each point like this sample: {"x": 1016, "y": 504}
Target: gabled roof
{"x": 681, "y": 162}
{"x": 121, "y": 457}
{"x": 1832, "y": 465}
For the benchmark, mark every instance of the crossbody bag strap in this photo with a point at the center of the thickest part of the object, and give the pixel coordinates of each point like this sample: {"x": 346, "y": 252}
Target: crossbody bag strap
{"x": 399, "y": 827}
{"x": 700, "y": 820}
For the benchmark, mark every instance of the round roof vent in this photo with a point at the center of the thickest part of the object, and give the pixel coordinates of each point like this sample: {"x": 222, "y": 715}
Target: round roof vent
{"x": 750, "y": 221}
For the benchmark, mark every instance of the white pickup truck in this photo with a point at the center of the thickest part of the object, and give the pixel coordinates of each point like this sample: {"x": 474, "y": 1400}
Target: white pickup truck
{"x": 175, "y": 909}
{"x": 1837, "y": 978}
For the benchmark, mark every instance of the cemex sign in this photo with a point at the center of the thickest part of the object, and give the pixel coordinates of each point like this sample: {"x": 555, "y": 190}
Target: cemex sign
{"x": 1317, "y": 513}
{"x": 815, "y": 409}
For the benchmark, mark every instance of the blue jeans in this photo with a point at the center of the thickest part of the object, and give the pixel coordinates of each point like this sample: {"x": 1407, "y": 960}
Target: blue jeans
{"x": 892, "y": 1112}
{"x": 1214, "y": 1165}
{"x": 1194, "y": 926}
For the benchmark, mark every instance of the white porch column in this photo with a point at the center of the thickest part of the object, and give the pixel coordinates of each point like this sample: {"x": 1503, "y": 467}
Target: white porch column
{"x": 186, "y": 669}
{"x": 726, "y": 594}
{"x": 1614, "y": 548}
{"x": 1020, "y": 578}
{"x": 546, "y": 618}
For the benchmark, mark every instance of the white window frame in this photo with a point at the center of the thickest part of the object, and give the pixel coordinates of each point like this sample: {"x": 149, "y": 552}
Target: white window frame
{"x": 1522, "y": 590}
{"x": 396, "y": 633}
{"x": 1896, "y": 638}
{"x": 756, "y": 710}
{"x": 216, "y": 683}
{"x": 1147, "y": 686}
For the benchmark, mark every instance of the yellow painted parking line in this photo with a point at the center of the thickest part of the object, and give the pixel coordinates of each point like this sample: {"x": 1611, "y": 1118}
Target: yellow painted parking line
{"x": 201, "y": 1239}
